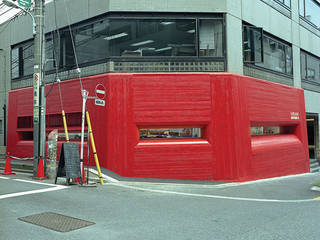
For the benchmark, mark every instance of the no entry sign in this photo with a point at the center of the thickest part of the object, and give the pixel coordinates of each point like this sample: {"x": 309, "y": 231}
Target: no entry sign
{"x": 100, "y": 91}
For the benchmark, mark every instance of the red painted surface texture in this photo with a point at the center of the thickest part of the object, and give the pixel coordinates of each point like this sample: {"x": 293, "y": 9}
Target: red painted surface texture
{"x": 225, "y": 106}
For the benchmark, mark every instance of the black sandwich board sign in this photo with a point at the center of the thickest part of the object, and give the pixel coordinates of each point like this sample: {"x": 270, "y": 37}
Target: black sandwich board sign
{"x": 69, "y": 163}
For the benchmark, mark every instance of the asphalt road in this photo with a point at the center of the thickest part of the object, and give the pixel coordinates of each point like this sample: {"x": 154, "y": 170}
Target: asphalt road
{"x": 277, "y": 209}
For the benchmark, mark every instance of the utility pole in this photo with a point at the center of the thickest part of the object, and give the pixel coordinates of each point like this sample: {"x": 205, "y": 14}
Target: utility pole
{"x": 39, "y": 102}
{"x": 39, "y": 128}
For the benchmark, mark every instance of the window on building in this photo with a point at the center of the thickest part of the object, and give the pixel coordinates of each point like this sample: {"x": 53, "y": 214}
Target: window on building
{"x": 252, "y": 44}
{"x": 285, "y": 2}
{"x": 15, "y": 63}
{"x": 263, "y": 50}
{"x": 170, "y": 133}
{"x": 50, "y": 55}
{"x": 151, "y": 37}
{"x": 270, "y": 130}
{"x": 28, "y": 58}
{"x": 310, "y": 67}
{"x": 310, "y": 10}
{"x": 210, "y": 38}
{"x": 161, "y": 38}
{"x": 22, "y": 58}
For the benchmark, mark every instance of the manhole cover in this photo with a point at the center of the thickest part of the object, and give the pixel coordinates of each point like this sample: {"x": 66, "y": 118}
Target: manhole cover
{"x": 56, "y": 222}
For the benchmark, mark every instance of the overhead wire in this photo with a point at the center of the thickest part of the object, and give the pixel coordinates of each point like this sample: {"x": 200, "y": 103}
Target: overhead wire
{"x": 73, "y": 44}
{"x": 56, "y": 62}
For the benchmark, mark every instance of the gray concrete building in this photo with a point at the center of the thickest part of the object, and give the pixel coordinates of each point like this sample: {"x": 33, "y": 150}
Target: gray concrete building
{"x": 274, "y": 40}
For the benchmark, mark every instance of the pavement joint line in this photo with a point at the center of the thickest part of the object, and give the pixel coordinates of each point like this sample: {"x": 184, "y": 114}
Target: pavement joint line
{"x": 213, "y": 196}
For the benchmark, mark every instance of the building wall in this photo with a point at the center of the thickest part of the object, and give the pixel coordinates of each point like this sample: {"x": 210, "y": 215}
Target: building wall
{"x": 275, "y": 19}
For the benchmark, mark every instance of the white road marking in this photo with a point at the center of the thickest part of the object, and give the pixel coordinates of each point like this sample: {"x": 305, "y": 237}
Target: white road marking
{"x": 108, "y": 178}
{"x": 34, "y": 182}
{"x": 52, "y": 187}
{"x": 10, "y": 195}
{"x": 212, "y": 196}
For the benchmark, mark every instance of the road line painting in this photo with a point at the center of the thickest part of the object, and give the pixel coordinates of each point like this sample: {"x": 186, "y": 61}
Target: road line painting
{"x": 51, "y": 188}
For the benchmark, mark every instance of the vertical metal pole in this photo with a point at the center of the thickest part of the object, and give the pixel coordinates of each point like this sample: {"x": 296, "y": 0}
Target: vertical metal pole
{"x": 38, "y": 106}
{"x": 84, "y": 94}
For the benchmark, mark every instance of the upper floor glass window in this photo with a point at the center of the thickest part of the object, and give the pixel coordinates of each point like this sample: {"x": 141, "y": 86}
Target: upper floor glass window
{"x": 127, "y": 38}
{"x": 263, "y": 50}
{"x": 310, "y": 10}
{"x": 285, "y": 2}
{"x": 310, "y": 67}
{"x": 149, "y": 38}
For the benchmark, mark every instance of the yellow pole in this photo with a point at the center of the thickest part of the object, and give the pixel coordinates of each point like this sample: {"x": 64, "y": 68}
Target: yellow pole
{"x": 65, "y": 125}
{"x": 94, "y": 147}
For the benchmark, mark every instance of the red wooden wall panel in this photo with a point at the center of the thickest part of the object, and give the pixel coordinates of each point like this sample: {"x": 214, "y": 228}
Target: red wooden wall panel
{"x": 224, "y": 105}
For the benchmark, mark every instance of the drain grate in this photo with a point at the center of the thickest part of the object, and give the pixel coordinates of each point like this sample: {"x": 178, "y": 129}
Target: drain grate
{"x": 56, "y": 222}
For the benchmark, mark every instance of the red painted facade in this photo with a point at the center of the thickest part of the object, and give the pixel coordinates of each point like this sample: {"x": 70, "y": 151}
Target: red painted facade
{"x": 223, "y": 105}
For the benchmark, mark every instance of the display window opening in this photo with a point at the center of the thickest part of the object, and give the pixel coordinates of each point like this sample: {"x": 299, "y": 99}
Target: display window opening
{"x": 163, "y": 133}
{"x": 270, "y": 130}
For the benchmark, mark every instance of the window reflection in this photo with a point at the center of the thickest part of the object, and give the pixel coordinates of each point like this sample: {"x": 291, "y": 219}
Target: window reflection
{"x": 97, "y": 40}
{"x": 210, "y": 38}
{"x": 285, "y": 2}
{"x": 15, "y": 63}
{"x": 137, "y": 38}
{"x": 276, "y": 55}
{"x": 269, "y": 130}
{"x": 310, "y": 10}
{"x": 310, "y": 67}
{"x": 28, "y": 59}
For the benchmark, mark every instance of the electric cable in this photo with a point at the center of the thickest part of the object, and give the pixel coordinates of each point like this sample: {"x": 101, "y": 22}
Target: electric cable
{"x": 73, "y": 45}
{"x": 56, "y": 55}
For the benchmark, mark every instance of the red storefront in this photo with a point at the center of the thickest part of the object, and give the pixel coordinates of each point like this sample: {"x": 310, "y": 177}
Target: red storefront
{"x": 195, "y": 126}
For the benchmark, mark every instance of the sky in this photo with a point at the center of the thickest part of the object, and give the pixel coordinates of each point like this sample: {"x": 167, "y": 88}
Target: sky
{"x": 7, "y": 12}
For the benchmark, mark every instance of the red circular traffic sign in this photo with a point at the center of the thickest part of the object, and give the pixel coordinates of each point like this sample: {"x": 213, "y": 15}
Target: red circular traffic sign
{"x": 100, "y": 91}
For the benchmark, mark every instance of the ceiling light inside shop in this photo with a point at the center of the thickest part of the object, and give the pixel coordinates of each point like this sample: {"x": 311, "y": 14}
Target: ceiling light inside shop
{"x": 167, "y": 23}
{"x": 163, "y": 49}
{"x": 191, "y": 31}
{"x": 141, "y": 43}
{"x": 120, "y": 35}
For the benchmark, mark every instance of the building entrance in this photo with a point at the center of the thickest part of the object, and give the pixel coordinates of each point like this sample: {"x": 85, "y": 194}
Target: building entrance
{"x": 312, "y": 128}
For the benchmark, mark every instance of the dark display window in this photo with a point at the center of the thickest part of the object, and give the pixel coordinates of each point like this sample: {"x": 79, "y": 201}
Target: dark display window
{"x": 169, "y": 133}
